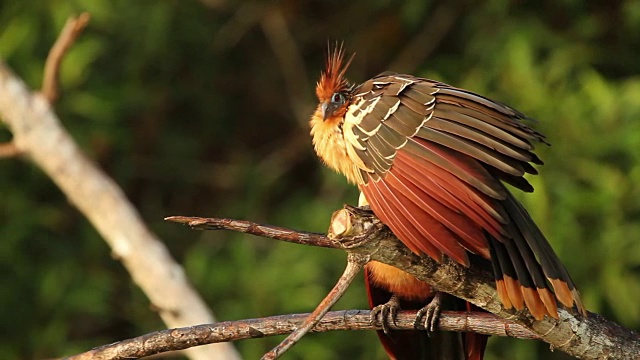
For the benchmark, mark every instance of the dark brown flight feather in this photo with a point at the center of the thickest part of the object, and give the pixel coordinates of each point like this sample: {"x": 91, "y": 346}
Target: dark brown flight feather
{"x": 431, "y": 161}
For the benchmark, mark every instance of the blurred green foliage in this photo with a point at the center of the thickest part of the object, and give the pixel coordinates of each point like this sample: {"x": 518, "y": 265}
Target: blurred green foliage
{"x": 200, "y": 108}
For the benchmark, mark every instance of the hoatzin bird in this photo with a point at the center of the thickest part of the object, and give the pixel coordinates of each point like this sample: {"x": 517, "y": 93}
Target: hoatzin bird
{"x": 430, "y": 160}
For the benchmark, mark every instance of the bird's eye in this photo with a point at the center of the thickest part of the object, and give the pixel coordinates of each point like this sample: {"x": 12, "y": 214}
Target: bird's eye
{"x": 337, "y": 98}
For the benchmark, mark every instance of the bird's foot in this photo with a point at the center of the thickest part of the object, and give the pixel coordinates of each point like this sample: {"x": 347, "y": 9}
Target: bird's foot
{"x": 381, "y": 315}
{"x": 427, "y": 317}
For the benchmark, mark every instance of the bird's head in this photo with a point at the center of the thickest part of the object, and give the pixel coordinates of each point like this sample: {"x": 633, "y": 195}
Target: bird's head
{"x": 332, "y": 89}
{"x": 327, "y": 131}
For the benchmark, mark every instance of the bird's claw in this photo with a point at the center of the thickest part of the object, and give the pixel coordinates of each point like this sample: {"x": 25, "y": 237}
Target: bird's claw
{"x": 381, "y": 314}
{"x": 427, "y": 317}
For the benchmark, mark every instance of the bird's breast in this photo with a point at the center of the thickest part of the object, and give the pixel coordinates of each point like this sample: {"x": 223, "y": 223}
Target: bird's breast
{"x": 330, "y": 145}
{"x": 398, "y": 282}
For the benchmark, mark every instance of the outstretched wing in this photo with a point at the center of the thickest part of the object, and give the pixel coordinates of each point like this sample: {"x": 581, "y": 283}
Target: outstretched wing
{"x": 432, "y": 159}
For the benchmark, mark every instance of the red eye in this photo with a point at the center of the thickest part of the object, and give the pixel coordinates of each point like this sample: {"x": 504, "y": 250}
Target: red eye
{"x": 337, "y": 98}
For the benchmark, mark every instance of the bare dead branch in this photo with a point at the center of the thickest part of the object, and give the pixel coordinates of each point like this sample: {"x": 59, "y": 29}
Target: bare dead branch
{"x": 355, "y": 263}
{"x": 269, "y": 231}
{"x": 246, "y": 16}
{"x": 592, "y": 337}
{"x": 359, "y": 231}
{"x": 72, "y": 29}
{"x": 215, "y": 4}
{"x": 421, "y": 46}
{"x": 182, "y": 338}
{"x": 39, "y": 134}
{"x": 283, "y": 44}
{"x": 9, "y": 149}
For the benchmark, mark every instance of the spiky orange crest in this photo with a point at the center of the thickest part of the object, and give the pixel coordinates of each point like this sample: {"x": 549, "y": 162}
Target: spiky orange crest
{"x": 332, "y": 79}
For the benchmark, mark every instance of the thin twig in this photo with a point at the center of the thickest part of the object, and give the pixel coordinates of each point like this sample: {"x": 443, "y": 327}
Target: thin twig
{"x": 9, "y": 149}
{"x": 283, "y": 44}
{"x": 215, "y": 4}
{"x": 249, "y": 227}
{"x": 422, "y": 45}
{"x": 72, "y": 29}
{"x": 246, "y": 16}
{"x": 182, "y": 338}
{"x": 355, "y": 263}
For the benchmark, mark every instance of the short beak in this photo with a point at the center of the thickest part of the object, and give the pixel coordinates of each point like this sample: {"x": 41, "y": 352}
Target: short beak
{"x": 323, "y": 109}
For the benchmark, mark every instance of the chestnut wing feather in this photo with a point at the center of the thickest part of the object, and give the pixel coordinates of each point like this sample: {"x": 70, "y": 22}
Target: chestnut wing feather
{"x": 434, "y": 161}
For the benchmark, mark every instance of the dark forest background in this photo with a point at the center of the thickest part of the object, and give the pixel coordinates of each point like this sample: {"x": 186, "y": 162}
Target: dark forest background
{"x": 201, "y": 107}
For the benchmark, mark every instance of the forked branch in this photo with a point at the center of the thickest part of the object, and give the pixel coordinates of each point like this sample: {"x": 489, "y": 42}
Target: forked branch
{"x": 72, "y": 29}
{"x": 182, "y": 338}
{"x": 355, "y": 263}
{"x": 359, "y": 231}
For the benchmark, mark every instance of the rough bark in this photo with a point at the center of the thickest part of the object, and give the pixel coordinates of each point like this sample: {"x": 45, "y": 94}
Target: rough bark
{"x": 593, "y": 337}
{"x": 356, "y": 230}
{"x": 175, "y": 339}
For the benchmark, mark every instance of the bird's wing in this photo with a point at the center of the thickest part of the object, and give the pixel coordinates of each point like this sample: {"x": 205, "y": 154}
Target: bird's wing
{"x": 433, "y": 159}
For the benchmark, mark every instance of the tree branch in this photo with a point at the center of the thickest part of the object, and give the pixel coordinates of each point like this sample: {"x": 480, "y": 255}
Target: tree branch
{"x": 37, "y": 132}
{"x": 269, "y": 231}
{"x": 422, "y": 45}
{"x": 275, "y": 28}
{"x": 359, "y": 231}
{"x": 176, "y": 339}
{"x": 355, "y": 263}
{"x": 72, "y": 29}
{"x": 593, "y": 337}
{"x": 8, "y": 150}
